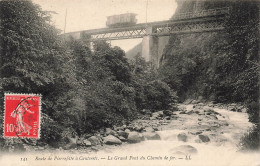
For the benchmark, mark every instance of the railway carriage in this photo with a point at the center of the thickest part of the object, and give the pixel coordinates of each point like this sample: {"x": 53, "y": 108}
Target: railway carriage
{"x": 121, "y": 20}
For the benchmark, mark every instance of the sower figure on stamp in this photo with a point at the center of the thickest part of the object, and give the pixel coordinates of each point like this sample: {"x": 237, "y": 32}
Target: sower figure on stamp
{"x": 18, "y": 113}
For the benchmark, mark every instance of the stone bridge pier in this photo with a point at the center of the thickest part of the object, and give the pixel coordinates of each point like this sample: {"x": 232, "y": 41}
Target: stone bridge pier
{"x": 153, "y": 46}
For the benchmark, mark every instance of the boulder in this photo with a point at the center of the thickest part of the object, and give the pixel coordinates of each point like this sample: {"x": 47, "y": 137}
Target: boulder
{"x": 124, "y": 126}
{"x": 189, "y": 112}
{"x": 168, "y": 118}
{"x": 204, "y": 138}
{"x": 19, "y": 147}
{"x": 233, "y": 104}
{"x": 194, "y": 102}
{"x": 109, "y": 131}
{"x": 138, "y": 128}
{"x": 157, "y": 115}
{"x": 195, "y": 132}
{"x": 122, "y": 138}
{"x": 188, "y": 101}
{"x": 135, "y": 137}
{"x": 231, "y": 108}
{"x": 151, "y": 136}
{"x": 174, "y": 108}
{"x": 167, "y": 112}
{"x": 127, "y": 130}
{"x": 184, "y": 150}
{"x": 111, "y": 140}
{"x": 244, "y": 110}
{"x": 86, "y": 142}
{"x": 200, "y": 98}
{"x": 155, "y": 128}
{"x": 146, "y": 112}
{"x": 149, "y": 129}
{"x": 71, "y": 143}
{"x": 160, "y": 113}
{"x": 215, "y": 117}
{"x": 86, "y": 136}
{"x": 182, "y": 137}
{"x": 79, "y": 142}
{"x": 153, "y": 118}
{"x": 94, "y": 140}
{"x": 122, "y": 133}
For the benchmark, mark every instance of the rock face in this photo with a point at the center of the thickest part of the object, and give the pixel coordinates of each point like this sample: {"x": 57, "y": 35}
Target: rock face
{"x": 112, "y": 140}
{"x": 135, "y": 137}
{"x": 182, "y": 137}
{"x": 151, "y": 136}
{"x": 204, "y": 138}
{"x": 184, "y": 150}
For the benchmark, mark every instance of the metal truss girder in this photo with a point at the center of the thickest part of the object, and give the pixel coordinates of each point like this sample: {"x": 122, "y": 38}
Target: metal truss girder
{"x": 163, "y": 30}
{"x": 189, "y": 28}
{"x": 128, "y": 34}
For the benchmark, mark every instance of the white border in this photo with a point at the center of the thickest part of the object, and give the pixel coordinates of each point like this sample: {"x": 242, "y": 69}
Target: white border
{"x": 40, "y": 112}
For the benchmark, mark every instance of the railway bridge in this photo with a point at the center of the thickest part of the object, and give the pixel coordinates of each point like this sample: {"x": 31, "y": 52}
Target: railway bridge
{"x": 183, "y": 23}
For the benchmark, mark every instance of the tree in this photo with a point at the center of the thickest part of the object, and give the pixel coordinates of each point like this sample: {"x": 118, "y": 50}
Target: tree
{"x": 27, "y": 47}
{"x": 31, "y": 53}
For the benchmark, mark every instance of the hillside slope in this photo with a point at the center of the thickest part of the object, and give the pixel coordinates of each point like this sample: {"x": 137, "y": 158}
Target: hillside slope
{"x": 216, "y": 66}
{"x": 134, "y": 51}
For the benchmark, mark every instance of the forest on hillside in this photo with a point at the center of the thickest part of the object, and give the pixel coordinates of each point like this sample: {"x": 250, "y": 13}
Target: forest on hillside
{"x": 217, "y": 66}
{"x": 86, "y": 90}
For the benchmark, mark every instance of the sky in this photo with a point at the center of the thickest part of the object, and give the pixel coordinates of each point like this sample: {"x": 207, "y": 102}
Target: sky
{"x": 92, "y": 14}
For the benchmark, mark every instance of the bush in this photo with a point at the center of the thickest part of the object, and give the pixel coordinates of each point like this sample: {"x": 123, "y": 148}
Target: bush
{"x": 150, "y": 91}
{"x": 253, "y": 112}
{"x": 50, "y": 131}
{"x": 250, "y": 141}
{"x": 158, "y": 95}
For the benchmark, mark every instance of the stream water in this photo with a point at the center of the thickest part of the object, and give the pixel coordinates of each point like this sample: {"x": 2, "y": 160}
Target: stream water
{"x": 158, "y": 152}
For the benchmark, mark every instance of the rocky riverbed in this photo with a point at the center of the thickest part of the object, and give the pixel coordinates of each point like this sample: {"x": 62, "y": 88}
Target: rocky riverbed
{"x": 203, "y": 133}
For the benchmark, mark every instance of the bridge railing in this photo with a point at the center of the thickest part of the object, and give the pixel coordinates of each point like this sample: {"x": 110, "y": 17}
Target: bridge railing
{"x": 203, "y": 13}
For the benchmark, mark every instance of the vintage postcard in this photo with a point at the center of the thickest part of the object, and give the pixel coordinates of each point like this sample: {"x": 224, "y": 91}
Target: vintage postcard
{"x": 129, "y": 82}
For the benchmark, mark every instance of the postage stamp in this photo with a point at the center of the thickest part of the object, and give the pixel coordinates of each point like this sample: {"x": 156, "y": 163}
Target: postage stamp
{"x": 22, "y": 115}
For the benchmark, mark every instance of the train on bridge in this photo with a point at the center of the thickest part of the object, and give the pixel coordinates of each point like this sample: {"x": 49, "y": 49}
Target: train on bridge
{"x": 121, "y": 20}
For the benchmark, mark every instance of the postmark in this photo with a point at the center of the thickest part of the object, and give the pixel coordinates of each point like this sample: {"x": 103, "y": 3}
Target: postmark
{"x": 22, "y": 116}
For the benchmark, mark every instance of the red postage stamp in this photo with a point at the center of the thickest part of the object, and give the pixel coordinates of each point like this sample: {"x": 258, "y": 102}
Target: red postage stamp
{"x": 22, "y": 115}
